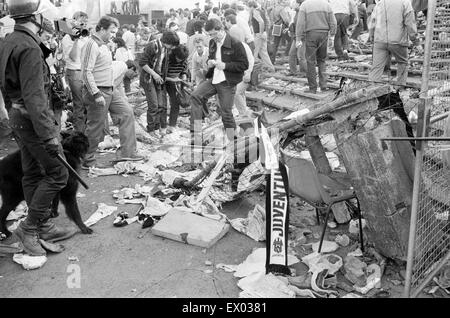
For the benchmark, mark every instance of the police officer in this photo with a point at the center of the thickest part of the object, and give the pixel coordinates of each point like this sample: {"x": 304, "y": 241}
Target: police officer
{"x": 25, "y": 83}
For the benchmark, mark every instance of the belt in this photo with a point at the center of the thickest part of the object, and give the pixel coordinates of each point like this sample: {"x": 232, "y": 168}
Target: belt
{"x": 105, "y": 87}
{"x": 73, "y": 70}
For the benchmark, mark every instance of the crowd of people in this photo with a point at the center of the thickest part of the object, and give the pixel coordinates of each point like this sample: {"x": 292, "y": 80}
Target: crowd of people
{"x": 213, "y": 50}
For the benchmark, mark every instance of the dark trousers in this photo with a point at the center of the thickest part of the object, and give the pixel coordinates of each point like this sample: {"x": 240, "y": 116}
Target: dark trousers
{"x": 316, "y": 53}
{"x": 341, "y": 37}
{"x": 174, "y": 103}
{"x": 225, "y": 93}
{"x": 157, "y": 105}
{"x": 276, "y": 45}
{"x": 358, "y": 30}
{"x": 75, "y": 82}
{"x": 43, "y": 176}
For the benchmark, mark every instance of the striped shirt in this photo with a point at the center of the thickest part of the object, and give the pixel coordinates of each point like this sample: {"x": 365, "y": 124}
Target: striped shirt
{"x": 96, "y": 66}
{"x": 176, "y": 68}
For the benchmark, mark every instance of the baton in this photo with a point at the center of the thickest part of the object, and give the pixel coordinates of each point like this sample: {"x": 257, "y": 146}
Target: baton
{"x": 64, "y": 162}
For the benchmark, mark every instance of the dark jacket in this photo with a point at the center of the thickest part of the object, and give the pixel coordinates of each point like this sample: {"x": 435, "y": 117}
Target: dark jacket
{"x": 25, "y": 81}
{"x": 151, "y": 57}
{"x": 234, "y": 57}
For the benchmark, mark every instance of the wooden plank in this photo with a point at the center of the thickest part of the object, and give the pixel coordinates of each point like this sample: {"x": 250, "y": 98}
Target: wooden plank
{"x": 280, "y": 102}
{"x": 295, "y": 79}
{"x": 190, "y": 228}
{"x": 410, "y": 82}
{"x": 318, "y": 96}
{"x": 364, "y": 66}
{"x": 382, "y": 182}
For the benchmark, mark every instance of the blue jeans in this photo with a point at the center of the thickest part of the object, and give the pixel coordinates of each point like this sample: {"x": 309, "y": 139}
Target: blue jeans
{"x": 341, "y": 37}
{"x": 174, "y": 103}
{"x": 316, "y": 53}
{"x": 297, "y": 56}
{"x": 157, "y": 105}
{"x": 225, "y": 93}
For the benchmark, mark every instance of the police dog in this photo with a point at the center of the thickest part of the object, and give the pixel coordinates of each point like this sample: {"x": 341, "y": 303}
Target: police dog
{"x": 75, "y": 146}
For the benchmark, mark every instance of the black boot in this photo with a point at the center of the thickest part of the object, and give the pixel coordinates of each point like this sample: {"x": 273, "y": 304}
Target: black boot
{"x": 27, "y": 232}
{"x": 49, "y": 232}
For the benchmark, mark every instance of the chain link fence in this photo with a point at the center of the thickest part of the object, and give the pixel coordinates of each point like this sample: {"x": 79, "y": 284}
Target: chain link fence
{"x": 432, "y": 236}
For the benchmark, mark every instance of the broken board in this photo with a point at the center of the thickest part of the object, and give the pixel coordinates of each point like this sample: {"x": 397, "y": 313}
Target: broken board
{"x": 381, "y": 176}
{"x": 190, "y": 228}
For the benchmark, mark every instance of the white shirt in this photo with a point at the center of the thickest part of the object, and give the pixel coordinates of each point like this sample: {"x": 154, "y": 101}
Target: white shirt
{"x": 219, "y": 75}
{"x": 130, "y": 40}
{"x": 243, "y": 24}
{"x": 183, "y": 37}
{"x": 122, "y": 54}
{"x": 67, "y": 45}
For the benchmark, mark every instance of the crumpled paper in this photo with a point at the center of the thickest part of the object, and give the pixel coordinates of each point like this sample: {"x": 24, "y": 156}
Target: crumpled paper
{"x": 169, "y": 176}
{"x": 256, "y": 263}
{"x": 29, "y": 262}
{"x": 254, "y": 226}
{"x": 327, "y": 247}
{"x": 156, "y": 208}
{"x": 103, "y": 211}
{"x": 109, "y": 143}
{"x": 318, "y": 262}
{"x": 162, "y": 158}
{"x": 260, "y": 285}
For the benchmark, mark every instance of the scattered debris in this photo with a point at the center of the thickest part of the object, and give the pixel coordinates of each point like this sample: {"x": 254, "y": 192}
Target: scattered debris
{"x": 373, "y": 281}
{"x": 254, "y": 226}
{"x": 73, "y": 259}
{"x": 227, "y": 268}
{"x": 29, "y": 262}
{"x": 103, "y": 211}
{"x": 327, "y": 247}
{"x": 108, "y": 143}
{"x": 123, "y": 219}
{"x": 208, "y": 263}
{"x": 256, "y": 263}
{"x": 260, "y": 285}
{"x": 342, "y": 240}
{"x": 155, "y": 208}
{"x": 355, "y": 270}
{"x": 189, "y": 228}
{"x": 356, "y": 253}
{"x": 332, "y": 225}
{"x": 208, "y": 271}
{"x": 354, "y": 226}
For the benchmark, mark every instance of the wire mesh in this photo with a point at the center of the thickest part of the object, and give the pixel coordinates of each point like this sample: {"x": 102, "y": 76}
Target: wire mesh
{"x": 433, "y": 223}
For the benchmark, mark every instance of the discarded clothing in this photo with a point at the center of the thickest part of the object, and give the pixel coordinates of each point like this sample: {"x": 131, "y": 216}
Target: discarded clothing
{"x": 103, "y": 211}
{"x": 29, "y": 262}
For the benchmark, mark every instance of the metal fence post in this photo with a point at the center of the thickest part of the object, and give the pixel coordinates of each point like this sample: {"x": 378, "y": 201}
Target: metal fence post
{"x": 421, "y": 132}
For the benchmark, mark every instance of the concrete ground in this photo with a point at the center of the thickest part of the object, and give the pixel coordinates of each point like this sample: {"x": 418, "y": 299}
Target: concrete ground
{"x": 132, "y": 262}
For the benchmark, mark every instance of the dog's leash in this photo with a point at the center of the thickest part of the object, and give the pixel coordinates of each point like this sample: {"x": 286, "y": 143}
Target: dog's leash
{"x": 64, "y": 162}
